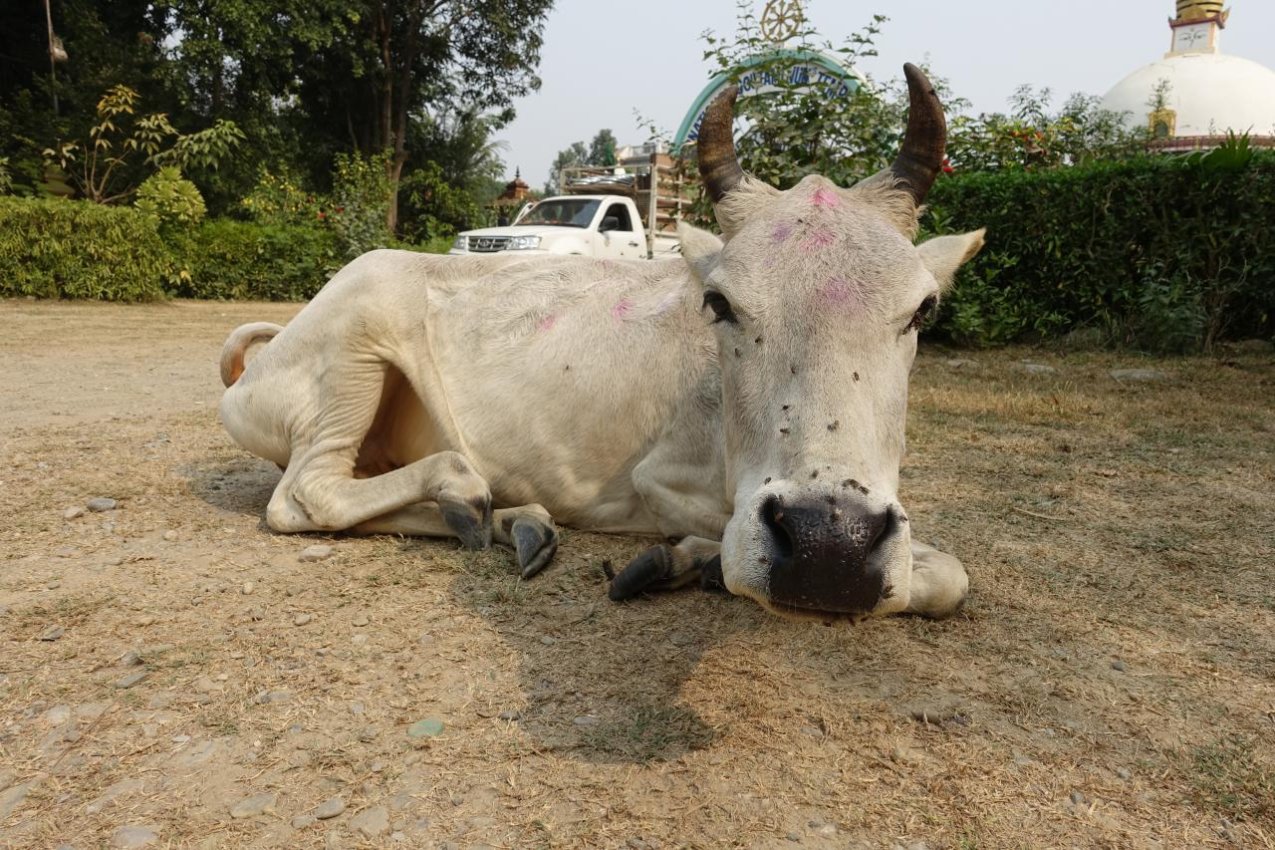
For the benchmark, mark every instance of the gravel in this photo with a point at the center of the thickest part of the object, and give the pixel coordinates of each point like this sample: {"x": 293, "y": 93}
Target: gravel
{"x": 371, "y": 822}
{"x": 131, "y": 679}
{"x": 73, "y": 513}
{"x": 101, "y": 504}
{"x": 329, "y": 808}
{"x": 315, "y": 553}
{"x": 52, "y": 633}
{"x": 427, "y": 728}
{"x": 250, "y": 807}
{"x": 128, "y": 837}
{"x": 301, "y": 619}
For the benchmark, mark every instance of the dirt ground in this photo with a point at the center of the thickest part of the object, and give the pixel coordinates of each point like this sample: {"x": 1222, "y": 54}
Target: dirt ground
{"x": 172, "y": 672}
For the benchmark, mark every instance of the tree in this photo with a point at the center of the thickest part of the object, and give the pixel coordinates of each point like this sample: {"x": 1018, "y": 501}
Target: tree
{"x": 602, "y": 149}
{"x": 576, "y": 154}
{"x": 458, "y": 175}
{"x": 405, "y": 61}
{"x": 108, "y": 166}
{"x": 1033, "y": 136}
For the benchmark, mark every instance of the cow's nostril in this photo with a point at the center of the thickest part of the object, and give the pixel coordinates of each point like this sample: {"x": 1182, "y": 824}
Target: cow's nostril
{"x": 881, "y": 526}
{"x": 772, "y": 516}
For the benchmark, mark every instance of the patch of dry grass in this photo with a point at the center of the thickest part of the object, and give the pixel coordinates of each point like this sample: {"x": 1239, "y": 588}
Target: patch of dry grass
{"x": 1108, "y": 684}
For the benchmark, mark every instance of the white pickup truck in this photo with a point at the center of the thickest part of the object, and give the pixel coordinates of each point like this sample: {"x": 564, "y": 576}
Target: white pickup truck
{"x": 589, "y": 225}
{"x": 628, "y": 211}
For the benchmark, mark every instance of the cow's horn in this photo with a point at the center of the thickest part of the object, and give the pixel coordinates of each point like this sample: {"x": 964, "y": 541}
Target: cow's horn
{"x": 718, "y": 165}
{"x": 921, "y": 158}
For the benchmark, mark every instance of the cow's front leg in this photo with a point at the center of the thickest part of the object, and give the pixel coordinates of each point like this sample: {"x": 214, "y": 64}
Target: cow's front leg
{"x": 318, "y": 493}
{"x": 528, "y": 530}
{"x": 939, "y": 583}
{"x": 670, "y": 568}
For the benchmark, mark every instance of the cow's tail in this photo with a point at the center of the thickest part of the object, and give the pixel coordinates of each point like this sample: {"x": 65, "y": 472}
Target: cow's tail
{"x": 237, "y": 345}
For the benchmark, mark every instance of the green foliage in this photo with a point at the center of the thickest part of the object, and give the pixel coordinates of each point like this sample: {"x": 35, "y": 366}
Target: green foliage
{"x": 360, "y": 202}
{"x": 799, "y": 128}
{"x": 68, "y": 249}
{"x": 6, "y": 176}
{"x": 106, "y": 168}
{"x": 225, "y": 259}
{"x": 1033, "y": 136}
{"x": 170, "y": 199}
{"x": 1162, "y": 253}
{"x": 279, "y": 199}
{"x": 440, "y": 208}
{"x": 602, "y": 148}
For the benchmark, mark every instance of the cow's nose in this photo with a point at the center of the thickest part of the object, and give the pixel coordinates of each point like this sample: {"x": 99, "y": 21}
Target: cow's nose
{"x": 821, "y": 557}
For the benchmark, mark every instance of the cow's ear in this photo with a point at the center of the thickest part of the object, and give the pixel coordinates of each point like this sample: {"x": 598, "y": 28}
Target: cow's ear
{"x": 700, "y": 249}
{"x": 943, "y": 255}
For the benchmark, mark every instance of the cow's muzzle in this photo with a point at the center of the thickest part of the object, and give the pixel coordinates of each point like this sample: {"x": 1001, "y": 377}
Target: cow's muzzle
{"x": 826, "y": 554}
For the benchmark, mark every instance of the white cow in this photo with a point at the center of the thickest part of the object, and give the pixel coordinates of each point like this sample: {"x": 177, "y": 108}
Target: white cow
{"x": 747, "y": 400}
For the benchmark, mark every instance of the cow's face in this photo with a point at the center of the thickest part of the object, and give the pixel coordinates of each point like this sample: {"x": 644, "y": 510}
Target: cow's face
{"x": 817, "y": 296}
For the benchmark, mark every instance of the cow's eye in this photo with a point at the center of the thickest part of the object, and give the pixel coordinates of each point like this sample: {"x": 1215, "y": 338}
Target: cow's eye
{"x": 722, "y": 311}
{"x": 922, "y": 313}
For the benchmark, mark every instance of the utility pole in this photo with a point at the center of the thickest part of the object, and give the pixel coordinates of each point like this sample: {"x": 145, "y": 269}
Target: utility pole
{"x": 54, "y": 49}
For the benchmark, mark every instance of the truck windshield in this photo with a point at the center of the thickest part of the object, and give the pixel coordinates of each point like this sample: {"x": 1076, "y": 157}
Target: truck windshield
{"x": 562, "y": 212}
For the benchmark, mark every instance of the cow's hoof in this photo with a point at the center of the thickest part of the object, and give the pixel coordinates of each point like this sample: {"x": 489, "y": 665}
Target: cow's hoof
{"x": 647, "y": 571}
{"x": 535, "y": 542}
{"x": 471, "y": 522}
{"x": 710, "y": 577}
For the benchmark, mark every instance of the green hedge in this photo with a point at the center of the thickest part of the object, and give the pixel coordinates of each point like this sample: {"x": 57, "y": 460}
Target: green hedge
{"x": 69, "y": 249}
{"x": 1166, "y": 253}
{"x": 226, "y": 259}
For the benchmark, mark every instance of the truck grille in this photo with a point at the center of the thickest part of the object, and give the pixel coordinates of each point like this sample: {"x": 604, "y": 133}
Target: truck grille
{"x": 488, "y": 244}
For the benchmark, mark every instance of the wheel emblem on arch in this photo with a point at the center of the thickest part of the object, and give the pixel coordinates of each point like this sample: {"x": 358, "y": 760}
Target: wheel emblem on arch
{"x": 781, "y": 20}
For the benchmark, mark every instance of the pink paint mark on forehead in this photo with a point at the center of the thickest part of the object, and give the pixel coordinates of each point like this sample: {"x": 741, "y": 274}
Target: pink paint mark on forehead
{"x": 547, "y": 323}
{"x": 825, "y": 198}
{"x": 622, "y": 309}
{"x": 838, "y": 292}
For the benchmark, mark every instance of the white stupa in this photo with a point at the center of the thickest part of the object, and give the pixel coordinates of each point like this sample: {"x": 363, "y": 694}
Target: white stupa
{"x": 1195, "y": 95}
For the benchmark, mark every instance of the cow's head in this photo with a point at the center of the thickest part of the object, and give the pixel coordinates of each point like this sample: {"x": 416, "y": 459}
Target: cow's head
{"x": 817, "y": 294}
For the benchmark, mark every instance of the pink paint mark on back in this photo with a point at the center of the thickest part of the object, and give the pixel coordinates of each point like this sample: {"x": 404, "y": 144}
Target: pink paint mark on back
{"x": 546, "y": 324}
{"x": 622, "y": 309}
{"x": 781, "y": 232}
{"x": 826, "y": 198}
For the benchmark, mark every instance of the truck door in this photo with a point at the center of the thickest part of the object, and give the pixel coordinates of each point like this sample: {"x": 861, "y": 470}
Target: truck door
{"x": 620, "y": 239}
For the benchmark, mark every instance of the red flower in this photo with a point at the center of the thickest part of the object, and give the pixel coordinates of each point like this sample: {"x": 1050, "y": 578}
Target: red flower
{"x": 947, "y": 165}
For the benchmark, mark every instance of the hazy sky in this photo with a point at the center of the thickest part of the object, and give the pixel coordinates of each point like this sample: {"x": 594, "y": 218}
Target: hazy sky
{"x": 602, "y": 59}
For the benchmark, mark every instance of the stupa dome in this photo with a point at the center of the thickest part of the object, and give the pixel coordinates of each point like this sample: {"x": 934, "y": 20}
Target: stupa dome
{"x": 1196, "y": 95}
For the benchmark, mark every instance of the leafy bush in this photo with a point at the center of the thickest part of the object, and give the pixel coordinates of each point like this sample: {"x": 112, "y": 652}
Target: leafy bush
{"x": 244, "y": 260}
{"x": 1163, "y": 253}
{"x": 70, "y": 249}
{"x": 106, "y": 168}
{"x": 360, "y": 202}
{"x": 278, "y": 199}
{"x": 170, "y": 199}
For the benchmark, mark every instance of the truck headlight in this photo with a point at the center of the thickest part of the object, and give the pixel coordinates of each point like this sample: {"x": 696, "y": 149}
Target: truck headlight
{"x": 524, "y": 243}
{"x": 460, "y": 243}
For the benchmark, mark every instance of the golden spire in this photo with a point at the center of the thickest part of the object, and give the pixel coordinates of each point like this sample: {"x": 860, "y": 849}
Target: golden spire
{"x": 1192, "y": 11}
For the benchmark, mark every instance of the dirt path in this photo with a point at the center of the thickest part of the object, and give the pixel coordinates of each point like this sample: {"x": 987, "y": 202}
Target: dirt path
{"x": 169, "y": 668}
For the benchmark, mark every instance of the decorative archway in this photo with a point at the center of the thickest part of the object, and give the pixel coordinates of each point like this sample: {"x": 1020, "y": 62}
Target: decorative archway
{"x": 801, "y": 67}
